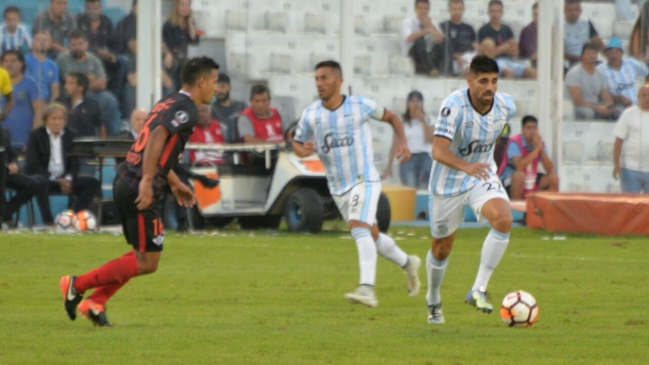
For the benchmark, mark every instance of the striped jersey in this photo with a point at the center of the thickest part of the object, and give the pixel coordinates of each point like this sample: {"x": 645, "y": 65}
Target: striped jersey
{"x": 343, "y": 140}
{"x": 473, "y": 137}
{"x": 21, "y": 40}
{"x": 622, "y": 81}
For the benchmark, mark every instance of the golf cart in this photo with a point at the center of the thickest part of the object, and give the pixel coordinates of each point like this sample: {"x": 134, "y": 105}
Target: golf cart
{"x": 261, "y": 183}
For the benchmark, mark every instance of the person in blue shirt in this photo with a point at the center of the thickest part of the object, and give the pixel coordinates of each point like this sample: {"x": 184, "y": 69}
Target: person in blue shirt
{"x": 12, "y": 34}
{"x": 25, "y": 114}
{"x": 42, "y": 69}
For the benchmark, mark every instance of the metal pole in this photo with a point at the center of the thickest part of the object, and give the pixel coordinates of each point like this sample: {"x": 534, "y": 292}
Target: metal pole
{"x": 149, "y": 53}
{"x": 347, "y": 42}
{"x": 544, "y": 67}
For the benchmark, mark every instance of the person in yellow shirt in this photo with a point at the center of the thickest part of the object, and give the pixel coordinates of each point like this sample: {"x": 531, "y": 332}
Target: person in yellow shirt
{"x": 5, "y": 89}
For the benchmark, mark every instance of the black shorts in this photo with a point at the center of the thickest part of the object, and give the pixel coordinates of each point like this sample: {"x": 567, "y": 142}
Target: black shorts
{"x": 142, "y": 228}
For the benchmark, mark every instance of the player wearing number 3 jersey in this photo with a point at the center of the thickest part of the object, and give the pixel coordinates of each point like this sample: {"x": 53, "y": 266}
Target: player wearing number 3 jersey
{"x": 138, "y": 187}
{"x": 337, "y": 128}
{"x": 464, "y": 173}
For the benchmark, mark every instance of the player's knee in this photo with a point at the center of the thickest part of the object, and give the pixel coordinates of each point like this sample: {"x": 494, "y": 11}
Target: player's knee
{"x": 517, "y": 177}
{"x": 502, "y": 223}
{"x": 441, "y": 248}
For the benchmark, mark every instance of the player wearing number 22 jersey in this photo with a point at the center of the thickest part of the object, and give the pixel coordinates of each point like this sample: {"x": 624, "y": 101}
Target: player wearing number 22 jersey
{"x": 337, "y": 128}
{"x": 464, "y": 173}
{"x": 138, "y": 186}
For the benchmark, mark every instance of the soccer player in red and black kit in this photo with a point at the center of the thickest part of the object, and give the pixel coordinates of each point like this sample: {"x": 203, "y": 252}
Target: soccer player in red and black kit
{"x": 137, "y": 187}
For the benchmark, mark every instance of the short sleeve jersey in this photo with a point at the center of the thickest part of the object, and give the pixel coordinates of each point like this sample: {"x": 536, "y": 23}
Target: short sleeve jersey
{"x": 179, "y": 115}
{"x": 473, "y": 137}
{"x": 343, "y": 140}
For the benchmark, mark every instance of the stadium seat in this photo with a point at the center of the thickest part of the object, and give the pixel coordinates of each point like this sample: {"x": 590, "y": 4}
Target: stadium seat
{"x": 287, "y": 107}
{"x": 363, "y": 65}
{"x": 359, "y": 25}
{"x": 281, "y": 63}
{"x": 572, "y": 153}
{"x": 601, "y": 15}
{"x": 401, "y": 65}
{"x": 114, "y": 14}
{"x": 314, "y": 23}
{"x": 236, "y": 20}
{"x": 277, "y": 22}
{"x": 622, "y": 30}
{"x": 392, "y": 24}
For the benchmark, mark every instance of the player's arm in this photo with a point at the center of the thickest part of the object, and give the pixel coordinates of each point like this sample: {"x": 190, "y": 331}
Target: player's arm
{"x": 547, "y": 163}
{"x": 302, "y": 146}
{"x": 617, "y": 152}
{"x": 401, "y": 151}
{"x": 152, "y": 152}
{"x": 442, "y": 154}
{"x": 183, "y": 193}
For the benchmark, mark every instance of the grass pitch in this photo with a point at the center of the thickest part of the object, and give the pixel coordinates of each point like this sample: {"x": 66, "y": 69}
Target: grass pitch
{"x": 277, "y": 298}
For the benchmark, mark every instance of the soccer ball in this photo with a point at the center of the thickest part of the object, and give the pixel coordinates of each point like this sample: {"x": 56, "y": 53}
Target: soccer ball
{"x": 64, "y": 220}
{"x": 85, "y": 221}
{"x": 519, "y": 309}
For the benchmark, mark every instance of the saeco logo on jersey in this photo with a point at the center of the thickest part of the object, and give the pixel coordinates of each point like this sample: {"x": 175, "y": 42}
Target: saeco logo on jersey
{"x": 331, "y": 142}
{"x": 476, "y": 147}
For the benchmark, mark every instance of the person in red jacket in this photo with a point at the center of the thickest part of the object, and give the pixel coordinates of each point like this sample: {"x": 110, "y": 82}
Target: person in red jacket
{"x": 208, "y": 131}
{"x": 259, "y": 122}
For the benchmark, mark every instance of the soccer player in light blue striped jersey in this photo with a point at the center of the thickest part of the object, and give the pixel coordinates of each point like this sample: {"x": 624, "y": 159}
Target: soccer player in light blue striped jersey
{"x": 337, "y": 129}
{"x": 464, "y": 172}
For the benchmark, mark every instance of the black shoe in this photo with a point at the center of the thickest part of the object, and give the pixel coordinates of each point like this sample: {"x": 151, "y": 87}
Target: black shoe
{"x": 71, "y": 298}
{"x": 95, "y": 313}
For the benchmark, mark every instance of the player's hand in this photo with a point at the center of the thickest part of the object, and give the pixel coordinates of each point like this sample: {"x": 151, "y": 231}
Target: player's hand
{"x": 184, "y": 195}
{"x": 616, "y": 172}
{"x": 306, "y": 149}
{"x": 13, "y": 168}
{"x": 145, "y": 195}
{"x": 402, "y": 153}
{"x": 65, "y": 184}
{"x": 537, "y": 142}
{"x": 387, "y": 173}
{"x": 603, "y": 110}
{"x": 479, "y": 170}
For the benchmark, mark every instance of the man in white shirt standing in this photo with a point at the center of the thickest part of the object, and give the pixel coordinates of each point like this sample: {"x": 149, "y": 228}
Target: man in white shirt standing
{"x": 631, "y": 150}
{"x": 420, "y": 38}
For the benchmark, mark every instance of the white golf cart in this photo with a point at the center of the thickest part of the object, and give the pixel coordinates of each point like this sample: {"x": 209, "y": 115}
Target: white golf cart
{"x": 260, "y": 183}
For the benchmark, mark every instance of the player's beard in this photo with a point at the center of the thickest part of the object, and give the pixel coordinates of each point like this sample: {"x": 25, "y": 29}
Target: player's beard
{"x": 225, "y": 97}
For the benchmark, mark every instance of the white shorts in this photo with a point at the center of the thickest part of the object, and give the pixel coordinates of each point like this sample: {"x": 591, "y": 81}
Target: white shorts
{"x": 360, "y": 203}
{"x": 447, "y": 212}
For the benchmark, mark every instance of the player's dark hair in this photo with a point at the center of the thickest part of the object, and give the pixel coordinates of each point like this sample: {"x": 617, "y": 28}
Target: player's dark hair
{"x": 78, "y": 33}
{"x": 82, "y": 80}
{"x": 19, "y": 55}
{"x": 330, "y": 63}
{"x": 589, "y": 46}
{"x": 495, "y": 2}
{"x": 483, "y": 64}
{"x": 93, "y": 1}
{"x": 528, "y": 119}
{"x": 11, "y": 9}
{"x": 196, "y": 68}
{"x": 535, "y": 6}
{"x": 407, "y": 118}
{"x": 258, "y": 90}
{"x": 568, "y": 2}
{"x": 224, "y": 78}
{"x": 451, "y": 2}
{"x": 422, "y": 1}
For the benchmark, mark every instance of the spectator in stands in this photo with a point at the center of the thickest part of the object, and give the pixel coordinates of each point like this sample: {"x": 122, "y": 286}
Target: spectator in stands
{"x": 25, "y": 115}
{"x": 639, "y": 40}
{"x": 419, "y": 130}
{"x": 419, "y": 38}
{"x": 460, "y": 40}
{"x": 519, "y": 169}
{"x": 588, "y": 88}
{"x": 528, "y": 38}
{"x": 12, "y": 34}
{"x": 259, "y": 122}
{"x": 102, "y": 43}
{"x": 497, "y": 41}
{"x": 24, "y": 187}
{"x": 58, "y": 23}
{"x": 78, "y": 59}
{"x": 224, "y": 108}
{"x": 138, "y": 117}
{"x": 126, "y": 32}
{"x": 577, "y": 31}
{"x": 84, "y": 114}
{"x": 178, "y": 32}
{"x": 42, "y": 69}
{"x": 631, "y": 146}
{"x": 621, "y": 74}
{"x": 49, "y": 162}
{"x": 207, "y": 130}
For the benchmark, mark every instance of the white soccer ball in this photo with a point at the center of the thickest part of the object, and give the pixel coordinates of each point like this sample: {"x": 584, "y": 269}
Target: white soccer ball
{"x": 519, "y": 309}
{"x": 85, "y": 221}
{"x": 64, "y": 221}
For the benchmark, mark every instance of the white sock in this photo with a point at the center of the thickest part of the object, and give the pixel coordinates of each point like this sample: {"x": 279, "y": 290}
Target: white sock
{"x": 493, "y": 249}
{"x": 435, "y": 271}
{"x": 387, "y": 248}
{"x": 366, "y": 255}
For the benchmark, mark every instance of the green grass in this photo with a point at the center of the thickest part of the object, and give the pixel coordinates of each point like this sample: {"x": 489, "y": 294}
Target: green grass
{"x": 277, "y": 299}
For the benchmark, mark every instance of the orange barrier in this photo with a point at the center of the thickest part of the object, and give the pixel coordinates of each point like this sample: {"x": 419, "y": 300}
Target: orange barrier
{"x": 605, "y": 214}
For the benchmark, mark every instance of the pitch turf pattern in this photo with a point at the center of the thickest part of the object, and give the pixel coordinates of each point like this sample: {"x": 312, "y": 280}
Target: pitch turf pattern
{"x": 276, "y": 298}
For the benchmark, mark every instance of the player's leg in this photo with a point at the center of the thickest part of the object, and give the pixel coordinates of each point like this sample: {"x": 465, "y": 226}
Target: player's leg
{"x": 362, "y": 235}
{"x": 548, "y": 182}
{"x": 410, "y": 264}
{"x": 489, "y": 200}
{"x": 446, "y": 213}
